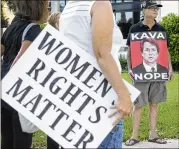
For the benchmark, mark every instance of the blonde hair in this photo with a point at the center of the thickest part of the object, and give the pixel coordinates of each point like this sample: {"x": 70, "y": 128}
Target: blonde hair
{"x": 54, "y": 18}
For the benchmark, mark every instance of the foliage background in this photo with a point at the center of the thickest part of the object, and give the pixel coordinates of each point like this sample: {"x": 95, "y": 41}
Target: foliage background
{"x": 171, "y": 24}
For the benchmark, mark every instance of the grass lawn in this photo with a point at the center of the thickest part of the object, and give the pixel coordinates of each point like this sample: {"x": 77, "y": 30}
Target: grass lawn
{"x": 168, "y": 117}
{"x": 168, "y": 114}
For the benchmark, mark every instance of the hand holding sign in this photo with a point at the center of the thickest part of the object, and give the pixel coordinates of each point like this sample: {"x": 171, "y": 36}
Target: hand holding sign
{"x": 170, "y": 75}
{"x": 124, "y": 108}
{"x": 131, "y": 74}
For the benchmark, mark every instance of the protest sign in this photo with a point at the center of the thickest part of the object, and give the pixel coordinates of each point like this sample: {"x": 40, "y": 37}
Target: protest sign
{"x": 61, "y": 89}
{"x": 149, "y": 55}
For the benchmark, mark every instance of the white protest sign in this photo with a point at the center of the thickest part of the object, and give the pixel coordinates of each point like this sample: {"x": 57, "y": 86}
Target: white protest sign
{"x": 60, "y": 88}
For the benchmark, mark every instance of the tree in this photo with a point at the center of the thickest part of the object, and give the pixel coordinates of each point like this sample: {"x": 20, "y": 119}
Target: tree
{"x": 123, "y": 62}
{"x": 171, "y": 24}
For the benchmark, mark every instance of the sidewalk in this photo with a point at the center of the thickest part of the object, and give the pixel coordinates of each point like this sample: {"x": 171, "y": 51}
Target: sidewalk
{"x": 171, "y": 143}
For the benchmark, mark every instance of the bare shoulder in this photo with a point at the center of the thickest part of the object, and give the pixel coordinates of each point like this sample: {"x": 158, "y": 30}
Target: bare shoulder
{"x": 101, "y": 5}
{"x": 104, "y": 3}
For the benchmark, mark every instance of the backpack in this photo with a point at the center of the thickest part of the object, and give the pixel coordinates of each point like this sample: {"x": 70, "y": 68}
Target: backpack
{"x": 26, "y": 125}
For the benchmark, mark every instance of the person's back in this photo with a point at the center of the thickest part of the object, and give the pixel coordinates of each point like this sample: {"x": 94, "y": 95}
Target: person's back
{"x": 153, "y": 91}
{"x": 12, "y": 48}
{"x": 12, "y": 39}
{"x": 75, "y": 23}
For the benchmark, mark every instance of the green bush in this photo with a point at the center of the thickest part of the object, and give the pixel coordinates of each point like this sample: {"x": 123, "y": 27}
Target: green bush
{"x": 42, "y": 26}
{"x": 123, "y": 62}
{"x": 171, "y": 24}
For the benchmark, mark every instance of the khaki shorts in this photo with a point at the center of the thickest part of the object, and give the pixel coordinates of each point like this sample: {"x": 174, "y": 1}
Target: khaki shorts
{"x": 151, "y": 92}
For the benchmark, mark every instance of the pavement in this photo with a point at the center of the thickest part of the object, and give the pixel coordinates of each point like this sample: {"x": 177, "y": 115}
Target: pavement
{"x": 171, "y": 143}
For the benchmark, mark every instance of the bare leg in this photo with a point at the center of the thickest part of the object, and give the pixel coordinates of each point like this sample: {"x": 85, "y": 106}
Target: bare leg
{"x": 153, "y": 119}
{"x": 136, "y": 122}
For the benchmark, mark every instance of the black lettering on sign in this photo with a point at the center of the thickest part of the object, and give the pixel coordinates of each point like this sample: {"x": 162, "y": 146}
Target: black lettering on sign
{"x": 36, "y": 68}
{"x": 68, "y": 92}
{"x": 91, "y": 76}
{"x": 105, "y": 88}
{"x": 36, "y": 99}
{"x": 17, "y": 91}
{"x": 74, "y": 68}
{"x": 50, "y": 74}
{"x": 59, "y": 58}
{"x": 85, "y": 103}
{"x": 98, "y": 116}
{"x": 63, "y": 55}
{"x": 61, "y": 115}
{"x": 82, "y": 139}
{"x": 49, "y": 104}
{"x": 70, "y": 129}
{"x": 49, "y": 45}
{"x": 54, "y": 82}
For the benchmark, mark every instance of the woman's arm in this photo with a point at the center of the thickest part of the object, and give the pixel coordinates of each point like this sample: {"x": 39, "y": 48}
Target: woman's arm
{"x": 24, "y": 47}
{"x": 102, "y": 30}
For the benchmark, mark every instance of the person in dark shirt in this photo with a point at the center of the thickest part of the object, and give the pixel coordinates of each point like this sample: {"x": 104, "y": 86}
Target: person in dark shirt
{"x": 12, "y": 136}
{"x": 152, "y": 93}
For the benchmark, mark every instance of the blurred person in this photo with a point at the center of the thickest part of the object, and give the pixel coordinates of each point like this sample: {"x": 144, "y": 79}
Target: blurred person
{"x": 12, "y": 136}
{"x": 130, "y": 21}
{"x": 91, "y": 25}
{"x": 53, "y": 19}
{"x": 152, "y": 93}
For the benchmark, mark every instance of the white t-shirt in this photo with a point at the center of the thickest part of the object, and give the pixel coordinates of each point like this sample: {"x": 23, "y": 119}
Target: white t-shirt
{"x": 149, "y": 68}
{"x": 75, "y": 23}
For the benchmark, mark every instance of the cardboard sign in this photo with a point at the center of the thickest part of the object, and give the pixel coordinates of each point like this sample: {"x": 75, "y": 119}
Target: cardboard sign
{"x": 60, "y": 88}
{"x": 149, "y": 55}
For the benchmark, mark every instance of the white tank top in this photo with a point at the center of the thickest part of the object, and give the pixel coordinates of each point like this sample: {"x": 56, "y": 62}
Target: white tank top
{"x": 75, "y": 23}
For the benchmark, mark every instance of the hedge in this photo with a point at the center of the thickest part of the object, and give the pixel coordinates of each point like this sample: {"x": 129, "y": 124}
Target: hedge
{"x": 171, "y": 24}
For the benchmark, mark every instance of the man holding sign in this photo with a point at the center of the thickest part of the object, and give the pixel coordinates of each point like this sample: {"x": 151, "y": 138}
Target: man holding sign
{"x": 149, "y": 67}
